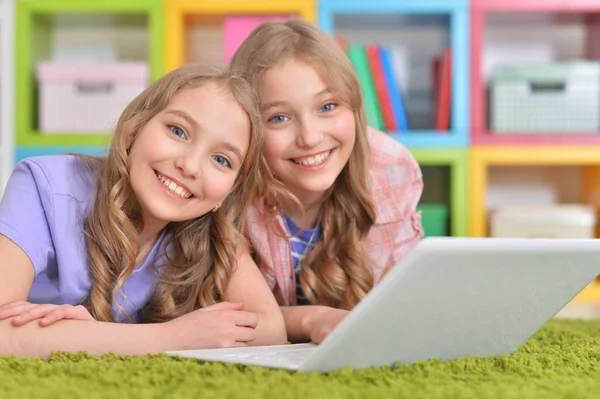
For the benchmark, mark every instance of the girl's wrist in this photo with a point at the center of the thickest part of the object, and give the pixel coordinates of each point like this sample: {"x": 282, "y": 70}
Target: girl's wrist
{"x": 312, "y": 314}
{"x": 165, "y": 339}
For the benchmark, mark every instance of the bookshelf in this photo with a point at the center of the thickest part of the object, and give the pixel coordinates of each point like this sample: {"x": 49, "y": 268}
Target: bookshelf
{"x": 503, "y": 20}
{"x": 173, "y": 32}
{"x": 42, "y": 24}
{"x": 483, "y": 158}
{"x": 194, "y": 29}
{"x": 448, "y": 169}
{"x": 371, "y": 21}
{"x": 6, "y": 90}
{"x": 421, "y": 31}
{"x": 565, "y": 163}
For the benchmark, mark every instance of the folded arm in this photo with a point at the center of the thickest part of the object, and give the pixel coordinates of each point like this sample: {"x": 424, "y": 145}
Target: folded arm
{"x": 248, "y": 285}
{"x": 31, "y": 340}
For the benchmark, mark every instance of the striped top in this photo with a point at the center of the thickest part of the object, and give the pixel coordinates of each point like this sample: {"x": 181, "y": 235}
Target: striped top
{"x": 301, "y": 243}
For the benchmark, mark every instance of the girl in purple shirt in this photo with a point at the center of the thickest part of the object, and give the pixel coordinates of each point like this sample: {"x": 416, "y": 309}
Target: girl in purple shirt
{"x": 139, "y": 252}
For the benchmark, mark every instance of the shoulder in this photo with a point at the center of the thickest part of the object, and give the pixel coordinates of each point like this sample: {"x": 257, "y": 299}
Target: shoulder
{"x": 56, "y": 175}
{"x": 395, "y": 176}
{"x": 387, "y": 152}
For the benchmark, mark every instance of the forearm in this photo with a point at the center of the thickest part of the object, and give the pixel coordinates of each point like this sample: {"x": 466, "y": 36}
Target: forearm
{"x": 298, "y": 320}
{"x": 270, "y": 330}
{"x": 96, "y": 338}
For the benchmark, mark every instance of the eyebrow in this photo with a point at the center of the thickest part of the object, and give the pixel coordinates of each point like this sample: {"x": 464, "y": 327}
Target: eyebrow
{"x": 282, "y": 102}
{"x": 235, "y": 150}
{"x": 196, "y": 126}
{"x": 188, "y": 119}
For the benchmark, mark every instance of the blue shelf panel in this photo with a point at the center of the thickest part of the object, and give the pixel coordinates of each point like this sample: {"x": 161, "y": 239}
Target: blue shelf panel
{"x": 330, "y": 7}
{"x": 432, "y": 139}
{"x": 26, "y": 152}
{"x": 458, "y": 13}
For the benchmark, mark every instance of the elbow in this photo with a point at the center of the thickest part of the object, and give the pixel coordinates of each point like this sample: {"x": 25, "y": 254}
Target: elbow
{"x": 280, "y": 332}
{"x": 274, "y": 333}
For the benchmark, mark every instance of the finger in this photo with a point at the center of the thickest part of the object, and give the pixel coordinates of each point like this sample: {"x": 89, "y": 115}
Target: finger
{"x": 65, "y": 312}
{"x": 246, "y": 319}
{"x": 240, "y": 344}
{"x": 15, "y": 305}
{"x": 36, "y": 312}
{"x": 59, "y": 313}
{"x": 224, "y": 306}
{"x": 245, "y": 334}
{"x": 15, "y": 310}
{"x": 11, "y": 304}
{"x": 321, "y": 335}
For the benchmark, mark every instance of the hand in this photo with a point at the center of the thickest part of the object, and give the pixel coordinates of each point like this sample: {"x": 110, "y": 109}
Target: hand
{"x": 223, "y": 325}
{"x": 47, "y": 313}
{"x": 323, "y": 321}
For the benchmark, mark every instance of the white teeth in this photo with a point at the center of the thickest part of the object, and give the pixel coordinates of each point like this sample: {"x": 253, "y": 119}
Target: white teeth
{"x": 173, "y": 187}
{"x": 314, "y": 161}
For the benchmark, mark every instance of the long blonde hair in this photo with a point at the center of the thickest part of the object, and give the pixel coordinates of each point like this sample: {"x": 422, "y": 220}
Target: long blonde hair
{"x": 337, "y": 272}
{"x": 199, "y": 255}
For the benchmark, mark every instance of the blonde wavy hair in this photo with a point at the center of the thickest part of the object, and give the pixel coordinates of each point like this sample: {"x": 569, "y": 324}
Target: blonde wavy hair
{"x": 337, "y": 272}
{"x": 202, "y": 252}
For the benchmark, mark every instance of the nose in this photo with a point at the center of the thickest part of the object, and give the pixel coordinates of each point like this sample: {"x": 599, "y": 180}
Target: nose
{"x": 309, "y": 134}
{"x": 189, "y": 164}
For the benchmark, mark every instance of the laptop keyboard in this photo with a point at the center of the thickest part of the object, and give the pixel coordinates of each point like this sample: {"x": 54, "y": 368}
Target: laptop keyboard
{"x": 294, "y": 356}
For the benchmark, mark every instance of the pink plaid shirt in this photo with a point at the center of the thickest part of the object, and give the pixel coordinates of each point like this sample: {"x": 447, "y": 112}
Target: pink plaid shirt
{"x": 396, "y": 186}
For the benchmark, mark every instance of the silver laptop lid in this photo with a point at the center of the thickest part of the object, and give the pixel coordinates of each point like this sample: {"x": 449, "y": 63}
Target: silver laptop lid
{"x": 452, "y": 297}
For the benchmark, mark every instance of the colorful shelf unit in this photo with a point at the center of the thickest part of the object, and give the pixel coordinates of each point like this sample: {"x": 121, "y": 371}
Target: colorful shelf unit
{"x": 583, "y": 13}
{"x": 382, "y": 14}
{"x": 490, "y": 149}
{"x": 35, "y": 24}
{"x": 7, "y": 51}
{"x": 456, "y": 162}
{"x": 183, "y": 16}
{"x": 484, "y": 157}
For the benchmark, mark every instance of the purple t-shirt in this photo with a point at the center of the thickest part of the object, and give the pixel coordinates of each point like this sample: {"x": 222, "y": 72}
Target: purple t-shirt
{"x": 43, "y": 211}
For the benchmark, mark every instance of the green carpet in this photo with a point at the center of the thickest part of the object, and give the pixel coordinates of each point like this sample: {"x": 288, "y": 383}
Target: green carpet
{"x": 561, "y": 361}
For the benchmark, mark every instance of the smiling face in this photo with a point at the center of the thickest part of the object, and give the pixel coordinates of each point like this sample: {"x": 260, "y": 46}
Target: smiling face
{"x": 309, "y": 132}
{"x": 185, "y": 160}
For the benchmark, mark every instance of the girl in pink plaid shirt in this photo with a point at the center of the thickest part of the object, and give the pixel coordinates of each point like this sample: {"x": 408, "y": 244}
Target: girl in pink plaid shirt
{"x": 344, "y": 210}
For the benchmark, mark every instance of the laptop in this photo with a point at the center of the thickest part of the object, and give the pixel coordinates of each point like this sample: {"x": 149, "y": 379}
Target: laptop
{"x": 449, "y": 297}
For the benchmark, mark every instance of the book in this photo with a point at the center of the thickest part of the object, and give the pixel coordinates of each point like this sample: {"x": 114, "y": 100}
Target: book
{"x": 394, "y": 90}
{"x": 381, "y": 88}
{"x": 358, "y": 56}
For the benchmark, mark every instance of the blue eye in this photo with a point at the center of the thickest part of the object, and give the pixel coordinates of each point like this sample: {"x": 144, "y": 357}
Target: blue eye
{"x": 222, "y": 160}
{"x": 279, "y": 118}
{"x": 328, "y": 107}
{"x": 177, "y": 131}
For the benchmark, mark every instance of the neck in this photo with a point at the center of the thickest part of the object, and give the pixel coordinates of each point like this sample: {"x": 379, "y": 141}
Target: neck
{"x": 148, "y": 237}
{"x": 311, "y": 207}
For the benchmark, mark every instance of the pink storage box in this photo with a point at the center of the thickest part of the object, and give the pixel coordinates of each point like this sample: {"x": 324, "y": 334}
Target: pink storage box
{"x": 86, "y": 98}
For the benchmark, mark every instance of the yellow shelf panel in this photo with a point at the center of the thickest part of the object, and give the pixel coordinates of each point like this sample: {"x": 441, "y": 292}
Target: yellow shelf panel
{"x": 307, "y": 8}
{"x": 535, "y": 155}
{"x": 177, "y": 10}
{"x": 480, "y": 158}
{"x": 591, "y": 293}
